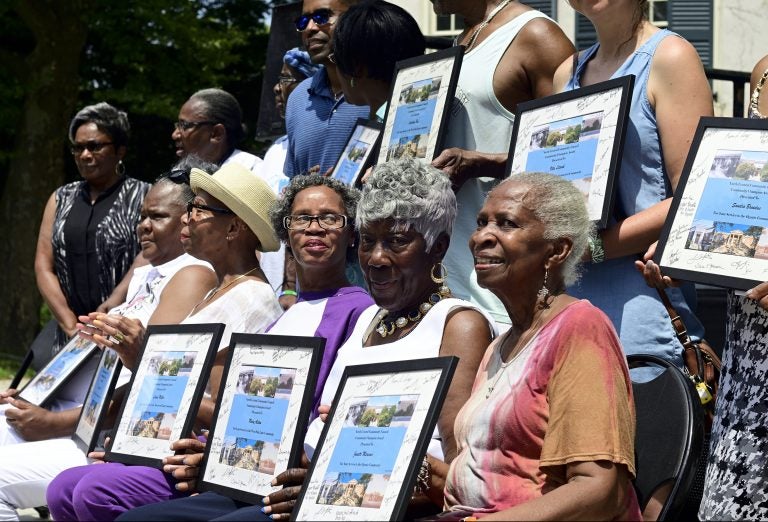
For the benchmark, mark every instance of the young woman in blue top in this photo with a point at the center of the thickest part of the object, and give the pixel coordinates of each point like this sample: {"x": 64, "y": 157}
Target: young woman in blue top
{"x": 670, "y": 94}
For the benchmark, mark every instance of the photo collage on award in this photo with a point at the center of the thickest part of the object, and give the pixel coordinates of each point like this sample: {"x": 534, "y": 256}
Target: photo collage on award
{"x": 370, "y": 439}
{"x": 730, "y": 214}
{"x": 414, "y": 116}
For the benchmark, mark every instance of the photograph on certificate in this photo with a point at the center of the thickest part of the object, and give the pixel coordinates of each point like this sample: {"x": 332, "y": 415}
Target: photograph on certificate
{"x": 377, "y": 433}
{"x": 43, "y": 386}
{"x": 261, "y": 414}
{"x": 577, "y": 135}
{"x": 99, "y": 394}
{"x": 358, "y": 153}
{"x": 717, "y": 229}
{"x": 419, "y": 103}
{"x": 165, "y": 392}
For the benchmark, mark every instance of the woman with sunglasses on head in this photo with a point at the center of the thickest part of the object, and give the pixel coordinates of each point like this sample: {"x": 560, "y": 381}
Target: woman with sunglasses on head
{"x": 316, "y": 218}
{"x": 87, "y": 241}
{"x": 225, "y": 224}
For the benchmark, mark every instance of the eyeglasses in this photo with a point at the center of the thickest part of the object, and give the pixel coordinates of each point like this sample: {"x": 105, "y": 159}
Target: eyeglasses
{"x": 286, "y": 80}
{"x": 90, "y": 146}
{"x": 184, "y": 125}
{"x": 320, "y": 17}
{"x": 304, "y": 221}
{"x": 199, "y": 206}
{"x": 178, "y": 175}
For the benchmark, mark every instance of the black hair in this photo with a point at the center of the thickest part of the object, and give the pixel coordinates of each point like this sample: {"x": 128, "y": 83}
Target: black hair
{"x": 222, "y": 107}
{"x": 179, "y": 174}
{"x": 372, "y": 36}
{"x": 108, "y": 119}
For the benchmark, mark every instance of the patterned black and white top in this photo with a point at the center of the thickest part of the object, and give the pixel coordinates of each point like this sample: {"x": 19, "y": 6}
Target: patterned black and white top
{"x": 736, "y": 486}
{"x": 94, "y": 244}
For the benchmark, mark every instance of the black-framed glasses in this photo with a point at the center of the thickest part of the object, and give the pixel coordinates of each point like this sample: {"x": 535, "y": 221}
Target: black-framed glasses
{"x": 90, "y": 146}
{"x": 286, "y": 80}
{"x": 199, "y": 206}
{"x": 319, "y": 16}
{"x": 304, "y": 221}
{"x": 184, "y": 125}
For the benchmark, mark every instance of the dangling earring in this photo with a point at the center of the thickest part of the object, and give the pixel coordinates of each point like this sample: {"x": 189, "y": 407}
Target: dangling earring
{"x": 120, "y": 168}
{"x": 444, "y": 291}
{"x": 544, "y": 291}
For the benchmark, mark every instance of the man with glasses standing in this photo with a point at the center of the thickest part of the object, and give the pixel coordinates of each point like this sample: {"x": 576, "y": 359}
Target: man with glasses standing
{"x": 210, "y": 126}
{"x": 317, "y": 119}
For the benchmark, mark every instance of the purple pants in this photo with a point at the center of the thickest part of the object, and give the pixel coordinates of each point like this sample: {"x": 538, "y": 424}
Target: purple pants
{"x": 104, "y": 491}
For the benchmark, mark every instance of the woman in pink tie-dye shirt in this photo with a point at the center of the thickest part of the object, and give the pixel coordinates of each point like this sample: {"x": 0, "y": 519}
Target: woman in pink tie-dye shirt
{"x": 548, "y": 431}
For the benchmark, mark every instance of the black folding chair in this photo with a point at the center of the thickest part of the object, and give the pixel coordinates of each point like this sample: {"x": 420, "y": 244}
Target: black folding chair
{"x": 38, "y": 354}
{"x": 669, "y": 438}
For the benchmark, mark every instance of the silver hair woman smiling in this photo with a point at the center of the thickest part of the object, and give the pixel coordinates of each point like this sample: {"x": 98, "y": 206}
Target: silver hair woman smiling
{"x": 560, "y": 358}
{"x": 404, "y": 219}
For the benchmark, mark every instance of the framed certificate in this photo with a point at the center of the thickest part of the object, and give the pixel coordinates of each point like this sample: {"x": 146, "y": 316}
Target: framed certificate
{"x": 417, "y": 112}
{"x": 65, "y": 364}
{"x": 374, "y": 440}
{"x": 578, "y": 135}
{"x": 164, "y": 393}
{"x": 96, "y": 401}
{"x": 261, "y": 413}
{"x": 716, "y": 231}
{"x": 358, "y": 152}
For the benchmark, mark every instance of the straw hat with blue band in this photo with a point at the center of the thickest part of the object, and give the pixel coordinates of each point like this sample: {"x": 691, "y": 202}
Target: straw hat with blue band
{"x": 245, "y": 194}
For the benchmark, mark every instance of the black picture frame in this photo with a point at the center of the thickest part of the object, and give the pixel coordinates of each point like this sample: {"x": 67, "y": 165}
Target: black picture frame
{"x": 439, "y": 74}
{"x": 42, "y": 388}
{"x": 297, "y": 360}
{"x": 202, "y": 340}
{"x": 375, "y": 393}
{"x": 593, "y": 160}
{"x": 96, "y": 403}
{"x": 365, "y": 132}
{"x": 716, "y": 231}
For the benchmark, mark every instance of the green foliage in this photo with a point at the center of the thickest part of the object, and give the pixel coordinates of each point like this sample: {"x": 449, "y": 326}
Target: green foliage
{"x": 147, "y": 57}
{"x": 764, "y": 173}
{"x": 745, "y": 171}
{"x": 572, "y": 134}
{"x": 385, "y": 417}
{"x": 367, "y": 417}
{"x": 270, "y": 387}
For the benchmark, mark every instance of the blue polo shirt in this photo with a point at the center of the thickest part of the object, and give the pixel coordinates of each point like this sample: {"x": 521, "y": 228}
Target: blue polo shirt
{"x": 318, "y": 125}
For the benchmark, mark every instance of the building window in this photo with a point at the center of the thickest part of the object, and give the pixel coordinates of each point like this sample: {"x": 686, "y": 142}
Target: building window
{"x": 447, "y": 24}
{"x": 657, "y": 13}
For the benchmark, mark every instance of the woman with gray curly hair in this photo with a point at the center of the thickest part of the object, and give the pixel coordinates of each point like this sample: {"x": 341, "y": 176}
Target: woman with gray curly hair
{"x": 552, "y": 402}
{"x": 88, "y": 239}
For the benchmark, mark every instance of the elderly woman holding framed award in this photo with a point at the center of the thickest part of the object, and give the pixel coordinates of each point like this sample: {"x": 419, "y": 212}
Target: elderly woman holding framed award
{"x": 527, "y": 450}
{"x": 225, "y": 224}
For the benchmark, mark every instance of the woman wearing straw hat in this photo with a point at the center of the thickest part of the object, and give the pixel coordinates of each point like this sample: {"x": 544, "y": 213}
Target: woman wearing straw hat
{"x": 226, "y": 222}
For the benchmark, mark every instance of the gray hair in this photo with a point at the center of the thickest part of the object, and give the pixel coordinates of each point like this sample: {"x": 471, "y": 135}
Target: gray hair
{"x": 108, "y": 119}
{"x": 282, "y": 207}
{"x": 222, "y": 107}
{"x": 185, "y": 165}
{"x": 561, "y": 208}
{"x": 411, "y": 193}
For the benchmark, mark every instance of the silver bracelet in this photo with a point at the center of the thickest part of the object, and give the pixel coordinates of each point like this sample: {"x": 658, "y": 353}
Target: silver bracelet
{"x": 596, "y": 250}
{"x": 423, "y": 478}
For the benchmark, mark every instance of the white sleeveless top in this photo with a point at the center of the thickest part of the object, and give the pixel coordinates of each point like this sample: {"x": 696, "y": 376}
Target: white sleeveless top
{"x": 479, "y": 122}
{"x": 422, "y": 342}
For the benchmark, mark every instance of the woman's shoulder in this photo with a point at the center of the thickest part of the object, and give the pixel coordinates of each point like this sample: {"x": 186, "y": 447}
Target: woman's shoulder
{"x": 673, "y": 50}
{"x": 448, "y": 308}
{"x": 581, "y": 315}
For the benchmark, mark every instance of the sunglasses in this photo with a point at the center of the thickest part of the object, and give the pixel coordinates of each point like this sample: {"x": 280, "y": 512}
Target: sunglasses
{"x": 178, "y": 175}
{"x": 320, "y": 17}
{"x": 90, "y": 146}
{"x": 191, "y": 205}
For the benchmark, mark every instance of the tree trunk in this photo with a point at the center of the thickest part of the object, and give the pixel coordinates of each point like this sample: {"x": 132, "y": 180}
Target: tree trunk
{"x": 37, "y": 167}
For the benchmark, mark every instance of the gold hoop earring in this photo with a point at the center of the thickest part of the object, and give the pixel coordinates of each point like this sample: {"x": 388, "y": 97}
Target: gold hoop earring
{"x": 120, "y": 168}
{"x": 443, "y": 290}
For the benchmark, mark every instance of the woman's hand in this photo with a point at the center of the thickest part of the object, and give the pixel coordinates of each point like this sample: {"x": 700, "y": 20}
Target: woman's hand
{"x": 461, "y": 165}
{"x": 31, "y": 422}
{"x": 98, "y": 456}
{"x": 759, "y": 294}
{"x": 7, "y": 394}
{"x": 651, "y": 272}
{"x": 185, "y": 467}
{"x": 122, "y": 334}
{"x": 322, "y": 411}
{"x": 279, "y": 504}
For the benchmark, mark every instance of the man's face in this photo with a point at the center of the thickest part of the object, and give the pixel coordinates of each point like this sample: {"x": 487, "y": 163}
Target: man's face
{"x": 446, "y": 7}
{"x": 317, "y": 38}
